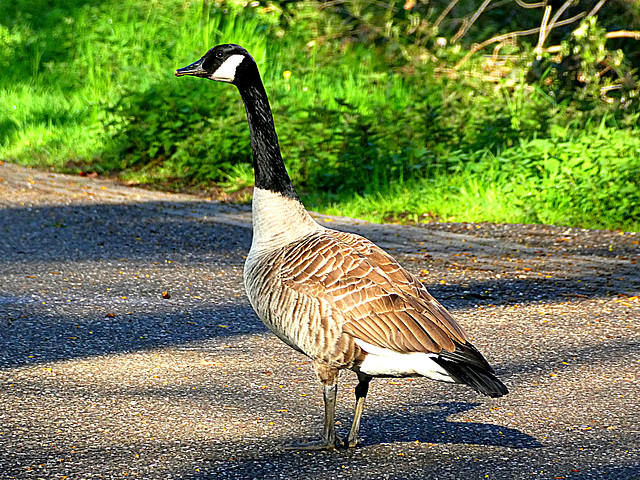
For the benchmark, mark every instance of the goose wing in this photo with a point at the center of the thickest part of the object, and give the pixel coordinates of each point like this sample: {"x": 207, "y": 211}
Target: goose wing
{"x": 382, "y": 304}
{"x": 402, "y": 279}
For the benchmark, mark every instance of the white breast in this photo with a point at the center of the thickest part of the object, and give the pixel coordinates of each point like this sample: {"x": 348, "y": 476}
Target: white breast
{"x": 278, "y": 221}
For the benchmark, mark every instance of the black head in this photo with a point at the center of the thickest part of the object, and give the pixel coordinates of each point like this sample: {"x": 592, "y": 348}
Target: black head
{"x": 224, "y": 63}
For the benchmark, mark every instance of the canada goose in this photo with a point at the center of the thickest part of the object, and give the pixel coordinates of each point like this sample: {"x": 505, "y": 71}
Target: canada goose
{"x": 334, "y": 296}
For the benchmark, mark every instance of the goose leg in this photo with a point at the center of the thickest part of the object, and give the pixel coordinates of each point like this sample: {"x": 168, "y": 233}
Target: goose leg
{"x": 361, "y": 394}
{"x": 330, "y": 390}
{"x": 329, "y": 430}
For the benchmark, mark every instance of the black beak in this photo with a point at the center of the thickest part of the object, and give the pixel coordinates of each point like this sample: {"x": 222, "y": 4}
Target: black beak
{"x": 195, "y": 69}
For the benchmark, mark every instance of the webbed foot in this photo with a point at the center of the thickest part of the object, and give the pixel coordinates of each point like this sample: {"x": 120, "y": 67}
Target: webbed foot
{"x": 316, "y": 446}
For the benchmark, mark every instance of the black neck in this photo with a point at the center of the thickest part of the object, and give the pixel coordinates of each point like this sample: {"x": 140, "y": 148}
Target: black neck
{"x": 270, "y": 172}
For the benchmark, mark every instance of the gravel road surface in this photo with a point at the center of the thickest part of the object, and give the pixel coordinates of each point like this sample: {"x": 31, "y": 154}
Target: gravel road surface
{"x": 128, "y": 348}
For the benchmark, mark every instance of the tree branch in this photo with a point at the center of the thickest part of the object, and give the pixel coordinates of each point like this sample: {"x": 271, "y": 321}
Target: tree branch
{"x": 596, "y": 8}
{"x": 543, "y": 29}
{"x": 531, "y": 5}
{"x": 466, "y": 26}
{"x": 445, "y": 12}
{"x": 506, "y": 36}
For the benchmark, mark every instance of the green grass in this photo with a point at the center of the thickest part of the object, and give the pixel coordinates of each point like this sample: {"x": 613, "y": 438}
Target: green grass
{"x": 67, "y": 64}
{"x": 89, "y": 86}
{"x": 535, "y": 182}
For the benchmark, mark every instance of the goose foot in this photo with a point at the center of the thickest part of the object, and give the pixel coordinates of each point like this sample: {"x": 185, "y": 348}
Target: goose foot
{"x": 349, "y": 443}
{"x": 316, "y": 446}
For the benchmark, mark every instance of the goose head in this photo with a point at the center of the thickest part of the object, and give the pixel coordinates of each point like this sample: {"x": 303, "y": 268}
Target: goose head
{"x": 224, "y": 63}
{"x": 232, "y": 64}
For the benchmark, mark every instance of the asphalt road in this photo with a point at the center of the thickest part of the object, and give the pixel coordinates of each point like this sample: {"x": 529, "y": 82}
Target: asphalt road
{"x": 128, "y": 348}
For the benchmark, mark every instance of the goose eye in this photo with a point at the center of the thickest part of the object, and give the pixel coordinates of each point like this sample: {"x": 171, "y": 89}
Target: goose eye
{"x": 219, "y": 54}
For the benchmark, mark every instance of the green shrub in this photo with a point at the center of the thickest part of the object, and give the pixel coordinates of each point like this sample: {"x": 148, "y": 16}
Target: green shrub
{"x": 168, "y": 132}
{"x": 375, "y": 111}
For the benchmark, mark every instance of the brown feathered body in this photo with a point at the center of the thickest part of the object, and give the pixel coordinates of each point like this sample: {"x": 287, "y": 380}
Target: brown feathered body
{"x": 335, "y": 296}
{"x": 338, "y": 298}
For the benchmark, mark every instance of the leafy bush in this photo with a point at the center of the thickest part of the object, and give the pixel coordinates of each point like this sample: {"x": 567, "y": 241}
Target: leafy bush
{"x": 168, "y": 132}
{"x": 585, "y": 75}
{"x": 383, "y": 105}
{"x": 593, "y": 179}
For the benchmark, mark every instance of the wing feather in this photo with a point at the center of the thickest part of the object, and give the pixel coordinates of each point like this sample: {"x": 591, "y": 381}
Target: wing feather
{"x": 381, "y": 303}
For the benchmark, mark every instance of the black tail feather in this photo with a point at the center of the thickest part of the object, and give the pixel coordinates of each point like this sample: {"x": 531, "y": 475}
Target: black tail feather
{"x": 481, "y": 379}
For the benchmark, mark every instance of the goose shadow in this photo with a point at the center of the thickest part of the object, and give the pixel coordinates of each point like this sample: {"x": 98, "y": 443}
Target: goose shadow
{"x": 428, "y": 423}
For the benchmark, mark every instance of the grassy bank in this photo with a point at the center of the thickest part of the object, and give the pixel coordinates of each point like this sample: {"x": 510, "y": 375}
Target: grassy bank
{"x": 368, "y": 128}
{"x": 500, "y": 191}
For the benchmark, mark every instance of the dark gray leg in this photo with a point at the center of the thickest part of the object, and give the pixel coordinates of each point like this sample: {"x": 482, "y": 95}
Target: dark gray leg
{"x": 329, "y": 378}
{"x": 329, "y": 431}
{"x": 361, "y": 394}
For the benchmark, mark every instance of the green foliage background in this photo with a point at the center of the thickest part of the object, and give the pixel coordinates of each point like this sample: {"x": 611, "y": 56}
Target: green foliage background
{"x": 377, "y": 115}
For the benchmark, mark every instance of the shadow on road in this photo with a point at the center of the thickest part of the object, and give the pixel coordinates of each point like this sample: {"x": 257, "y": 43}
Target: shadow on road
{"x": 427, "y": 423}
{"x": 81, "y": 253}
{"x": 44, "y": 338}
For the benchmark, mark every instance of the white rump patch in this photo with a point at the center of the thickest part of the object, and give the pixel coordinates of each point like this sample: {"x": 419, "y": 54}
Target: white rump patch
{"x": 227, "y": 71}
{"x": 386, "y": 362}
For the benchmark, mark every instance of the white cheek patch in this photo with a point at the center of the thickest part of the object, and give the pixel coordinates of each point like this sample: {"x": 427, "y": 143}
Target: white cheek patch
{"x": 227, "y": 71}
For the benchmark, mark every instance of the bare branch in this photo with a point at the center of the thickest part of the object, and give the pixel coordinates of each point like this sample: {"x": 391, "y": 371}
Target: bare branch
{"x": 605, "y": 90}
{"x": 498, "y": 38}
{"x": 445, "y": 12}
{"x": 505, "y": 36}
{"x": 596, "y": 8}
{"x": 617, "y": 34}
{"x": 554, "y": 49}
{"x": 467, "y": 26}
{"x": 564, "y": 6}
{"x": 543, "y": 29}
{"x": 624, "y": 34}
{"x": 531, "y": 5}
{"x": 496, "y": 51}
